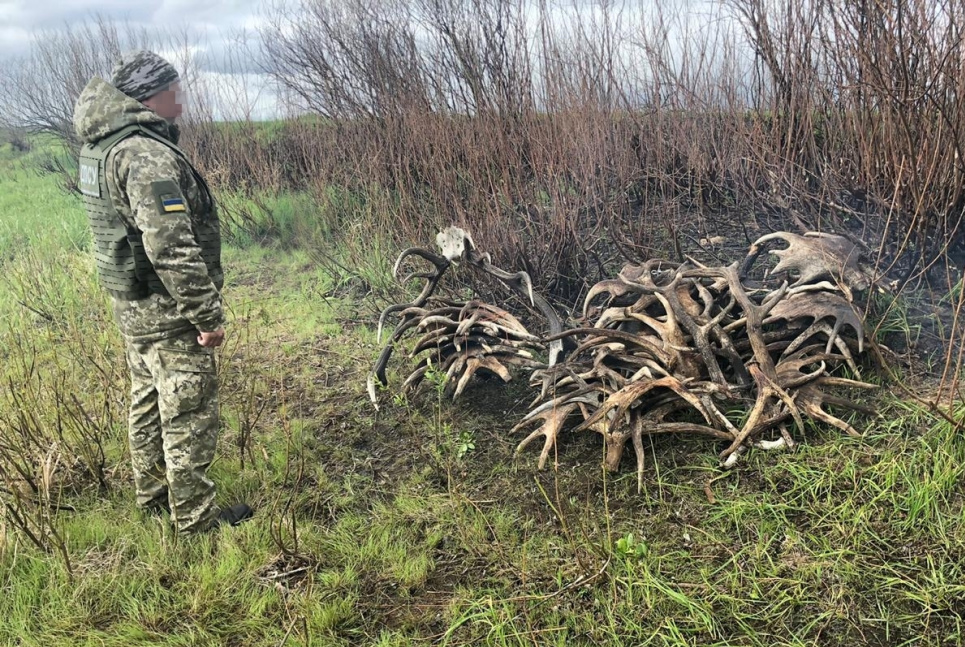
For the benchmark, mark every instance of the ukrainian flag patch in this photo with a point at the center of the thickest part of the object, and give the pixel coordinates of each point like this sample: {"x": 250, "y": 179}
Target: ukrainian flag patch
{"x": 173, "y": 204}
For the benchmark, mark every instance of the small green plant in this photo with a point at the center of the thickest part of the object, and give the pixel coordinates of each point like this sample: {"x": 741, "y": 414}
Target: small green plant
{"x": 451, "y": 442}
{"x": 891, "y": 315}
{"x": 630, "y": 547}
{"x": 465, "y": 444}
{"x": 399, "y": 399}
{"x": 437, "y": 378}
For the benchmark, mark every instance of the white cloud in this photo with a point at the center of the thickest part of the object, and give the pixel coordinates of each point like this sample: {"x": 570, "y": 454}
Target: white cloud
{"x": 221, "y": 35}
{"x": 236, "y": 97}
{"x": 39, "y": 15}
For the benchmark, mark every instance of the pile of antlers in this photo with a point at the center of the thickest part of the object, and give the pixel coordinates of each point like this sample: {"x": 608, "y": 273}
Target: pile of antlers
{"x": 460, "y": 339}
{"x": 674, "y": 348}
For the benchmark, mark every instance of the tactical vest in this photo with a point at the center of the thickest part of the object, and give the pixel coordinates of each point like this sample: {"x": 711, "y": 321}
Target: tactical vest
{"x": 122, "y": 264}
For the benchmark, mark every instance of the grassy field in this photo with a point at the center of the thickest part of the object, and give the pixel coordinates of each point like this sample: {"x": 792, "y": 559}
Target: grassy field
{"x": 415, "y": 525}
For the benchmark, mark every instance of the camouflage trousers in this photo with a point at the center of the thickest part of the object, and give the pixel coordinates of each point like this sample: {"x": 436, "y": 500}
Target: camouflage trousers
{"x": 174, "y": 427}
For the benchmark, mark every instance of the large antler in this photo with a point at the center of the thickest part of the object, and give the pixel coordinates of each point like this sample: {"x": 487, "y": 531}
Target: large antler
{"x": 814, "y": 256}
{"x": 674, "y": 348}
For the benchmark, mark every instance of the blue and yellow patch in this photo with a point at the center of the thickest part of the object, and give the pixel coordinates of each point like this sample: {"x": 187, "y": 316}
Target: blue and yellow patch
{"x": 173, "y": 204}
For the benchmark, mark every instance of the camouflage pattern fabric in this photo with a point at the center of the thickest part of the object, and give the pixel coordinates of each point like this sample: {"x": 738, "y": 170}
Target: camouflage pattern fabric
{"x": 174, "y": 427}
{"x": 174, "y": 392}
{"x": 142, "y": 74}
{"x": 135, "y": 166}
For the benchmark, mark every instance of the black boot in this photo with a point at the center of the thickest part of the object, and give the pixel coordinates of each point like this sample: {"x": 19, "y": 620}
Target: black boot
{"x": 233, "y": 516}
{"x": 155, "y": 508}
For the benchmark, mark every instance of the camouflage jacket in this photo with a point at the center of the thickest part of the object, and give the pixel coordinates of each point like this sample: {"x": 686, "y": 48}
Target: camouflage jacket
{"x": 134, "y": 165}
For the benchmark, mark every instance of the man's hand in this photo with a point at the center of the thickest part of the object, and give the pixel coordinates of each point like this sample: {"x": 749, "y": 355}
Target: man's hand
{"x": 211, "y": 339}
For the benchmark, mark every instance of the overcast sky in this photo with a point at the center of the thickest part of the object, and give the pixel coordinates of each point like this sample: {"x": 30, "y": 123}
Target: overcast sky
{"x": 213, "y": 19}
{"x": 213, "y": 25}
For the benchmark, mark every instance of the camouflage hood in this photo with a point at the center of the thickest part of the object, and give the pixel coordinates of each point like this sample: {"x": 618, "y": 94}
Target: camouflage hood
{"x": 102, "y": 110}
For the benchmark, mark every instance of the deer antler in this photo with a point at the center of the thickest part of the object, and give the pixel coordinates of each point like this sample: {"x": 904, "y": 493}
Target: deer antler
{"x": 829, "y": 313}
{"x": 431, "y": 278}
{"x": 814, "y": 256}
{"x": 410, "y": 314}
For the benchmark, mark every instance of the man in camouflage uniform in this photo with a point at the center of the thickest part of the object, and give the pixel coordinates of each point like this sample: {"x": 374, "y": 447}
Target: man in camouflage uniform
{"x": 158, "y": 250}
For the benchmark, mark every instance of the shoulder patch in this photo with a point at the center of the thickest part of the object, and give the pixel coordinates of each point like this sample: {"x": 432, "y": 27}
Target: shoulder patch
{"x": 167, "y": 195}
{"x": 172, "y": 203}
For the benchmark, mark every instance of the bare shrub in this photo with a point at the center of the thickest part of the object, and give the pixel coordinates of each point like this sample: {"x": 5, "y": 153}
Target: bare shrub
{"x": 52, "y": 444}
{"x": 16, "y": 137}
{"x": 61, "y": 401}
{"x": 39, "y": 90}
{"x": 534, "y": 130}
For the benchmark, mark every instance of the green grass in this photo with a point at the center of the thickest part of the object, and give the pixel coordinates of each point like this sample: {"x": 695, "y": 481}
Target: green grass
{"x": 386, "y": 528}
{"x": 38, "y": 214}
